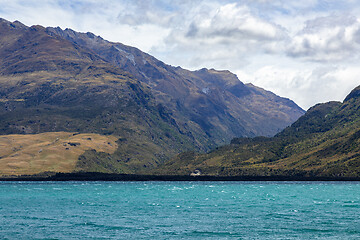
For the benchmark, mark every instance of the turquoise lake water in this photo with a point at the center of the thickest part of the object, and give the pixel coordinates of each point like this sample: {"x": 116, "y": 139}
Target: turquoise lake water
{"x": 179, "y": 210}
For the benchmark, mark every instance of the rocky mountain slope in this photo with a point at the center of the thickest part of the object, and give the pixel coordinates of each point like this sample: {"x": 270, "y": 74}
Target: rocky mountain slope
{"x": 325, "y": 142}
{"x": 54, "y": 80}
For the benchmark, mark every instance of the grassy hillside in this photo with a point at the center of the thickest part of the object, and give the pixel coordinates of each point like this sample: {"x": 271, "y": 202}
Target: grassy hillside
{"x": 324, "y": 142}
{"x": 49, "y": 152}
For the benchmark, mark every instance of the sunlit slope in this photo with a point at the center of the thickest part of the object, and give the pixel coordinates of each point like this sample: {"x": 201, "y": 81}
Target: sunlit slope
{"x": 49, "y": 152}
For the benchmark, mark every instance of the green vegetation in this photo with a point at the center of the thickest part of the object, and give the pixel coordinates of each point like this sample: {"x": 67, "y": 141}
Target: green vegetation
{"x": 324, "y": 142}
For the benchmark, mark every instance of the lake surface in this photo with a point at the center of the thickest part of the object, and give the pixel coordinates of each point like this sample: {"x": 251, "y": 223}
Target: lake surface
{"x": 179, "y": 210}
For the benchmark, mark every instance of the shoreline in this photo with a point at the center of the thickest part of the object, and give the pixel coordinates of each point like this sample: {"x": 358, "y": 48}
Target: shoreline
{"x": 90, "y": 176}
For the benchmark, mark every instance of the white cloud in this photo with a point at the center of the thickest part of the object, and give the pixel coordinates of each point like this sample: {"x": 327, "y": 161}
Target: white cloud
{"x": 332, "y": 38}
{"x": 233, "y": 22}
{"x": 224, "y": 36}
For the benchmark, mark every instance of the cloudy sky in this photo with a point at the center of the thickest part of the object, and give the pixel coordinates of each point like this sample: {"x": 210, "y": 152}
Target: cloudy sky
{"x": 306, "y": 50}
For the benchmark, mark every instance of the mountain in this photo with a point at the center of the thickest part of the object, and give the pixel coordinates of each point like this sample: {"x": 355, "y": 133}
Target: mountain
{"x": 54, "y": 80}
{"x": 48, "y": 84}
{"x": 325, "y": 142}
{"x": 214, "y": 104}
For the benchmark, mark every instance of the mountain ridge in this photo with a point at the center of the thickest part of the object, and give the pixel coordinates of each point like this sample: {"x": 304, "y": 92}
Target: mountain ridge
{"x": 184, "y": 87}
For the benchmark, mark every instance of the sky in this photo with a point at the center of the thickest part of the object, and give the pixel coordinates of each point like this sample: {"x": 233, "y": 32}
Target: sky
{"x": 305, "y": 50}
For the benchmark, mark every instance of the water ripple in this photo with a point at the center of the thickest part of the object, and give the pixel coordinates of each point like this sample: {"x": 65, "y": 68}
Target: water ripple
{"x": 179, "y": 210}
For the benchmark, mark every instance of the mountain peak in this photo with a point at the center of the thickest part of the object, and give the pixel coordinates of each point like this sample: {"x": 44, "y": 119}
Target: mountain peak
{"x": 353, "y": 94}
{"x": 15, "y": 24}
{"x": 213, "y": 70}
{"x": 37, "y": 28}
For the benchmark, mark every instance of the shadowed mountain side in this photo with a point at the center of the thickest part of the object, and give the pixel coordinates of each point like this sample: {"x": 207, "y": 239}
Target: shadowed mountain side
{"x": 325, "y": 142}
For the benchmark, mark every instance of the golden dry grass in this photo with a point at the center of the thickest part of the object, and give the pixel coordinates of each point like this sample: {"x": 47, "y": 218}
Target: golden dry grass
{"x": 52, "y": 151}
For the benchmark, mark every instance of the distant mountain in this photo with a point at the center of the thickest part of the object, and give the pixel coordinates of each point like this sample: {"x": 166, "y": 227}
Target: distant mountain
{"x": 325, "y": 142}
{"x": 54, "y": 80}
